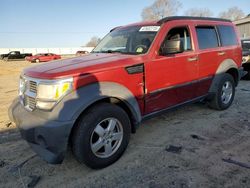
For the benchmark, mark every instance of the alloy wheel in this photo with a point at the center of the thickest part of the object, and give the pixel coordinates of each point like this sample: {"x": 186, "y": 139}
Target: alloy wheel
{"x": 106, "y": 137}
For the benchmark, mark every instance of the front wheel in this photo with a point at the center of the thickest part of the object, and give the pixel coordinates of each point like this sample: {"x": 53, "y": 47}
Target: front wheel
{"x": 224, "y": 95}
{"x": 37, "y": 60}
{"x": 101, "y": 136}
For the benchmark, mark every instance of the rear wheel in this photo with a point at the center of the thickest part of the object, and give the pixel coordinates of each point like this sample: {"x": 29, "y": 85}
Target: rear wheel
{"x": 224, "y": 95}
{"x": 5, "y": 58}
{"x": 101, "y": 136}
{"x": 37, "y": 60}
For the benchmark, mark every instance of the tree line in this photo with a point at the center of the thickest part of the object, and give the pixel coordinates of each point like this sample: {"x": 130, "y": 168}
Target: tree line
{"x": 163, "y": 8}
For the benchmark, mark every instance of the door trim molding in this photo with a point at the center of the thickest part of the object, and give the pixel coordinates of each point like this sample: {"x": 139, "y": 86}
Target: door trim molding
{"x": 179, "y": 85}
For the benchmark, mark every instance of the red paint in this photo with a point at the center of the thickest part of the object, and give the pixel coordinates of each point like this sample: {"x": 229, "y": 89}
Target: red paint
{"x": 169, "y": 80}
{"x": 43, "y": 57}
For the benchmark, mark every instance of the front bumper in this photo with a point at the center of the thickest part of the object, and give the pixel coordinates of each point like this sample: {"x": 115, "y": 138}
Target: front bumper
{"x": 47, "y": 137}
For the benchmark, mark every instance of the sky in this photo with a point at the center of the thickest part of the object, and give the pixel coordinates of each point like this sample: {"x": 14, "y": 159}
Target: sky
{"x": 71, "y": 23}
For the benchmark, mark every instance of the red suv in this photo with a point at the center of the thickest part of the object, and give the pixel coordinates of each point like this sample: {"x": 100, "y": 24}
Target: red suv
{"x": 93, "y": 103}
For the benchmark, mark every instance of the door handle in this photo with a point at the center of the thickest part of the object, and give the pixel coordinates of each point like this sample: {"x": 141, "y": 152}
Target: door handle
{"x": 190, "y": 59}
{"x": 221, "y": 53}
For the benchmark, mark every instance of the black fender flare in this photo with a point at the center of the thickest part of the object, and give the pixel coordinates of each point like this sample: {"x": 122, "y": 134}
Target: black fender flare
{"x": 73, "y": 104}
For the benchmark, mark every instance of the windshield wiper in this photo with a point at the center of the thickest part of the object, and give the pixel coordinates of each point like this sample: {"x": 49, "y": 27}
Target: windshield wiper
{"x": 115, "y": 51}
{"x": 108, "y": 51}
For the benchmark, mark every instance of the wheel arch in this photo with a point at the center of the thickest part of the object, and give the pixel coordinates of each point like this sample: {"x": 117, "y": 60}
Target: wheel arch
{"x": 227, "y": 66}
{"x": 107, "y": 93}
{"x": 235, "y": 74}
{"x": 116, "y": 101}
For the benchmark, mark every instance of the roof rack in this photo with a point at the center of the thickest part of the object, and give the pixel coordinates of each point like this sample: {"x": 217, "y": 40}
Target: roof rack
{"x": 170, "y": 18}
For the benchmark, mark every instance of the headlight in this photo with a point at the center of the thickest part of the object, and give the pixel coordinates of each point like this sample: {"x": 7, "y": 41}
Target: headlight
{"x": 52, "y": 92}
{"x": 21, "y": 86}
{"x": 49, "y": 93}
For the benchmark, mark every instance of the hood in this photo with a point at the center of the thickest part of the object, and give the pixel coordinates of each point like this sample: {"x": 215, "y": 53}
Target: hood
{"x": 90, "y": 63}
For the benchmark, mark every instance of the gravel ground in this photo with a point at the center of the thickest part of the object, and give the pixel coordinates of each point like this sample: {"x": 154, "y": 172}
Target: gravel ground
{"x": 193, "y": 146}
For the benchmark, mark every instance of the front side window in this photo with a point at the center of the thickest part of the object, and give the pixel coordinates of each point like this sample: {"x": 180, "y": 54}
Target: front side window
{"x": 180, "y": 34}
{"x": 207, "y": 37}
{"x": 227, "y": 35}
{"x": 129, "y": 40}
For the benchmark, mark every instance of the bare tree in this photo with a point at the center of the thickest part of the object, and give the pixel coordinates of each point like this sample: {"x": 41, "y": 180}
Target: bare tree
{"x": 93, "y": 41}
{"x": 233, "y": 13}
{"x": 199, "y": 12}
{"x": 160, "y": 9}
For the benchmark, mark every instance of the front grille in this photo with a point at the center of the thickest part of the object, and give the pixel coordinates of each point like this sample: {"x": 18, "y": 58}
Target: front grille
{"x": 33, "y": 86}
{"x": 30, "y": 102}
{"x": 29, "y": 93}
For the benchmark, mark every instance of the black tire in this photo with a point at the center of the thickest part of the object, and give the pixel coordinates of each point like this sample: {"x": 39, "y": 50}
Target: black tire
{"x": 37, "y": 60}
{"x": 5, "y": 58}
{"x": 217, "y": 102}
{"x": 83, "y": 134}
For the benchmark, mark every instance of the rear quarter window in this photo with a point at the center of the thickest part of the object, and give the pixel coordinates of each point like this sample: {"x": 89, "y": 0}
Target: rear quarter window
{"x": 207, "y": 37}
{"x": 227, "y": 35}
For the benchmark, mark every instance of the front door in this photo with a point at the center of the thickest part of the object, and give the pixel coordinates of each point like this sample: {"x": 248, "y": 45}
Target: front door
{"x": 171, "y": 79}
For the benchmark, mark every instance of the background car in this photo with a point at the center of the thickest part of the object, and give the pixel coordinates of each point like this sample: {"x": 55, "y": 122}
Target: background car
{"x": 14, "y": 55}
{"x": 79, "y": 53}
{"x": 245, "y": 48}
{"x": 43, "y": 57}
{"x": 246, "y": 57}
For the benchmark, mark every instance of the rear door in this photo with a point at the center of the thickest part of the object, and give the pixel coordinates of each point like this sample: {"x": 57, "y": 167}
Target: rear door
{"x": 171, "y": 78}
{"x": 209, "y": 55}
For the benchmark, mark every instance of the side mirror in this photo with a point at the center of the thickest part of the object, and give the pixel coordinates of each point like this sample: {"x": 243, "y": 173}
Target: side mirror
{"x": 172, "y": 47}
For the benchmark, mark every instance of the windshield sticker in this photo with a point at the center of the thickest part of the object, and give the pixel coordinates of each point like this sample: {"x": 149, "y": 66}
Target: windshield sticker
{"x": 149, "y": 28}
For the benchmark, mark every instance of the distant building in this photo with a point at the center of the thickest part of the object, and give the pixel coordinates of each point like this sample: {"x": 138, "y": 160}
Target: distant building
{"x": 244, "y": 27}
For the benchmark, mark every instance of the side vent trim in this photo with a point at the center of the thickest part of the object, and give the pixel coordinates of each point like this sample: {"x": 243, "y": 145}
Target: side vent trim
{"x": 135, "y": 69}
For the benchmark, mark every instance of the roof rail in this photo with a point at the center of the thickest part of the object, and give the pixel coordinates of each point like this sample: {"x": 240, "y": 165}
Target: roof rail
{"x": 170, "y": 18}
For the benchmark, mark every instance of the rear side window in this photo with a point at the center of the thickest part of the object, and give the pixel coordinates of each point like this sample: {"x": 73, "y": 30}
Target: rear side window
{"x": 227, "y": 35}
{"x": 207, "y": 37}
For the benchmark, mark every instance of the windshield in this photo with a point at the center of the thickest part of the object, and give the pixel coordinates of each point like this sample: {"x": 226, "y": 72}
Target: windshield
{"x": 129, "y": 40}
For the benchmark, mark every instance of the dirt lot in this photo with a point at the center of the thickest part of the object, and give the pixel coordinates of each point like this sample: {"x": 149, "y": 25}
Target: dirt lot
{"x": 209, "y": 149}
